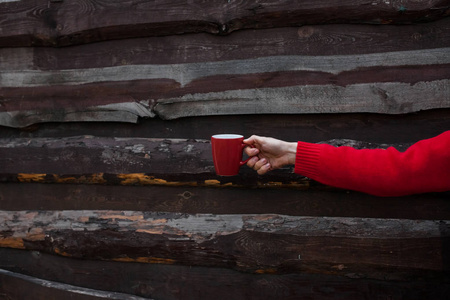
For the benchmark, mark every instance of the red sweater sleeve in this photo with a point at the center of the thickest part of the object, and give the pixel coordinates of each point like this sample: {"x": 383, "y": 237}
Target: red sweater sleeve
{"x": 423, "y": 167}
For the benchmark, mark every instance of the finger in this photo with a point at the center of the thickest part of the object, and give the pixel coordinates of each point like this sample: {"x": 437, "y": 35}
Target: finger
{"x": 264, "y": 169}
{"x": 251, "y": 163}
{"x": 251, "y": 151}
{"x": 260, "y": 163}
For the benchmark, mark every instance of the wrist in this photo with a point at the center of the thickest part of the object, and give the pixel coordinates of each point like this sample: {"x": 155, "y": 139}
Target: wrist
{"x": 291, "y": 153}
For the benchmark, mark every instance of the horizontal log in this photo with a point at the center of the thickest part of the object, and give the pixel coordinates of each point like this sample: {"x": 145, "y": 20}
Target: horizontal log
{"x": 250, "y": 243}
{"x": 281, "y": 84}
{"x": 15, "y": 286}
{"x": 61, "y": 23}
{"x": 111, "y": 155}
{"x": 314, "y": 40}
{"x": 133, "y": 161}
{"x": 160, "y": 281}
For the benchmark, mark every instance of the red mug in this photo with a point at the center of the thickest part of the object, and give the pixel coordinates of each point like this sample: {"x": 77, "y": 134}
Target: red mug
{"x": 227, "y": 153}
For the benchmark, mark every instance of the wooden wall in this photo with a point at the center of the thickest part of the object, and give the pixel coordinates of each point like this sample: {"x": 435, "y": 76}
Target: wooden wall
{"x": 107, "y": 187}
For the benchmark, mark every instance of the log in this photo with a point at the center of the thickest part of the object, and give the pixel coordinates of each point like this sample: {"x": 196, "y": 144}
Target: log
{"x": 62, "y": 23}
{"x": 249, "y": 243}
{"x": 163, "y": 282}
{"x": 134, "y": 161}
{"x": 106, "y": 155}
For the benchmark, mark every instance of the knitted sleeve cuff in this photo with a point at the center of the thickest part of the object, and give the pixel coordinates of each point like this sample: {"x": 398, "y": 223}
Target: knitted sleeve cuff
{"x": 307, "y": 159}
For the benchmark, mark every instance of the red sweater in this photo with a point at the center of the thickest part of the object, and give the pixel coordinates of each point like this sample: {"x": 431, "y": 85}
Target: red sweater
{"x": 423, "y": 167}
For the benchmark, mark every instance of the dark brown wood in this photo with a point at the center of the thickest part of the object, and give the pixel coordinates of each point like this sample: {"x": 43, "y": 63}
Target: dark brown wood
{"x": 106, "y": 155}
{"x": 166, "y": 282}
{"x": 314, "y": 40}
{"x": 374, "y": 128}
{"x": 224, "y": 200}
{"x": 365, "y": 246}
{"x": 62, "y": 23}
{"x": 15, "y": 286}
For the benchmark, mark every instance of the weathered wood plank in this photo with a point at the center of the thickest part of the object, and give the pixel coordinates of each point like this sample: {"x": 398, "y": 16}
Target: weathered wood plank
{"x": 390, "y": 98}
{"x": 138, "y": 95}
{"x": 281, "y": 84}
{"x": 62, "y": 23}
{"x": 185, "y": 74}
{"x": 111, "y": 155}
{"x": 15, "y": 286}
{"x": 387, "y": 98}
{"x": 199, "y": 283}
{"x": 225, "y": 200}
{"x": 251, "y": 243}
{"x": 314, "y": 40}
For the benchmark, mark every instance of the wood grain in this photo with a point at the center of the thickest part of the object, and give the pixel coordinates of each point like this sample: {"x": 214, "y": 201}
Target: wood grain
{"x": 275, "y": 85}
{"x": 185, "y": 74}
{"x": 297, "y": 244}
{"x": 313, "y": 40}
{"x": 163, "y": 282}
{"x": 112, "y": 155}
{"x": 64, "y": 23}
{"x": 387, "y": 98}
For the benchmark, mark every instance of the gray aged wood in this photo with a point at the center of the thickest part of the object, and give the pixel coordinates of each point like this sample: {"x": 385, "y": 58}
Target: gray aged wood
{"x": 251, "y": 243}
{"x": 286, "y": 96}
{"x": 186, "y": 73}
{"x": 388, "y": 98}
{"x": 204, "y": 227}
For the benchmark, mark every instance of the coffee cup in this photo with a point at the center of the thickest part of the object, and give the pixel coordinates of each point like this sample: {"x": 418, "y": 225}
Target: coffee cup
{"x": 227, "y": 153}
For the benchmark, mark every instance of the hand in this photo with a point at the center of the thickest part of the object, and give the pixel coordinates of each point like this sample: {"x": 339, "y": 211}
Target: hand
{"x": 269, "y": 153}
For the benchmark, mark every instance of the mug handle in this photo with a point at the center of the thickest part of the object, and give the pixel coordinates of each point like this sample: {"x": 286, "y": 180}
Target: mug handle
{"x": 245, "y": 161}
